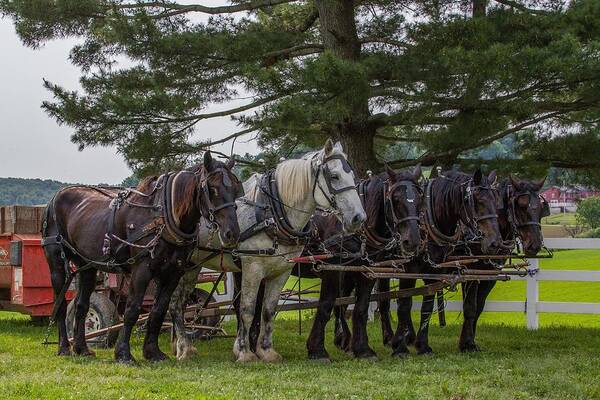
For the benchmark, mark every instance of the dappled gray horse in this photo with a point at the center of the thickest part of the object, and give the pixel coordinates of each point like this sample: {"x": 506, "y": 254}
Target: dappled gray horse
{"x": 274, "y": 215}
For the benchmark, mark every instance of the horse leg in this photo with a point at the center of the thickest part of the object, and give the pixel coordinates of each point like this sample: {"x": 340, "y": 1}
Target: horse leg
{"x": 360, "y": 314}
{"x": 87, "y": 284}
{"x": 251, "y": 279}
{"x": 422, "y": 340}
{"x": 316, "y": 340}
{"x": 264, "y": 345}
{"x": 485, "y": 287}
{"x": 383, "y": 285}
{"x": 140, "y": 278}
{"x": 467, "y": 334}
{"x": 255, "y": 327}
{"x": 58, "y": 276}
{"x": 181, "y": 343}
{"x": 167, "y": 283}
{"x": 405, "y": 332}
{"x": 342, "y": 331}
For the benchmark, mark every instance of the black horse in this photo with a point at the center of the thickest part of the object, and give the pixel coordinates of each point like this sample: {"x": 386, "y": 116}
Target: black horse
{"x": 459, "y": 208}
{"x": 148, "y": 232}
{"x": 520, "y": 210}
{"x": 393, "y": 202}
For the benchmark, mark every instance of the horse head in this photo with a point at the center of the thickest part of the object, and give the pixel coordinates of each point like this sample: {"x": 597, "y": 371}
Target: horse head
{"x": 336, "y": 186}
{"x": 218, "y": 189}
{"x": 482, "y": 203}
{"x": 403, "y": 202}
{"x": 525, "y": 209}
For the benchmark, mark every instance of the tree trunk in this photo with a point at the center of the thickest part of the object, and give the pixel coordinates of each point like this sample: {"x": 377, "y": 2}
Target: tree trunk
{"x": 479, "y": 8}
{"x": 338, "y": 30}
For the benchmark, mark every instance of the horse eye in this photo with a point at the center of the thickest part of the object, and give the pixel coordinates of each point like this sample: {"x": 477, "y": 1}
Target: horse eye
{"x": 335, "y": 177}
{"x": 215, "y": 191}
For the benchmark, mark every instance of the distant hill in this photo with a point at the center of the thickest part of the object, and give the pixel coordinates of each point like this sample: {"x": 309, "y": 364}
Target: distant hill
{"x": 27, "y": 191}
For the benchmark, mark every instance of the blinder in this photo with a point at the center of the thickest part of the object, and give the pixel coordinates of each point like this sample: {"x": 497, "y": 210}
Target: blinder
{"x": 389, "y": 207}
{"x": 545, "y": 207}
{"x": 227, "y": 182}
{"x": 333, "y": 191}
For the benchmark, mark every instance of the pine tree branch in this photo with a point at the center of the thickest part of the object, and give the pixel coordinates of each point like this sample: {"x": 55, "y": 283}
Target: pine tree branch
{"x": 430, "y": 158}
{"x": 521, "y": 7}
{"x": 229, "y": 137}
{"x": 309, "y": 21}
{"x": 177, "y": 9}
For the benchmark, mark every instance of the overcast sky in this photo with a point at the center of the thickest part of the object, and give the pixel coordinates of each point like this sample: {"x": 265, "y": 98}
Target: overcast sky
{"x": 32, "y": 145}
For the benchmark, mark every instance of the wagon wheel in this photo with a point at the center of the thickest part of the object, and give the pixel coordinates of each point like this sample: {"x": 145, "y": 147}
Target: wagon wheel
{"x": 102, "y": 314}
{"x": 198, "y": 297}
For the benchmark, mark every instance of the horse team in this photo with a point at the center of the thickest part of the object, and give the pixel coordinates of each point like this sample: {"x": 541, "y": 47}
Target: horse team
{"x": 172, "y": 225}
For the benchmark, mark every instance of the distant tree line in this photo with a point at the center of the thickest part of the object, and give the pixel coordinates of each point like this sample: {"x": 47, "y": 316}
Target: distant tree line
{"x": 27, "y": 191}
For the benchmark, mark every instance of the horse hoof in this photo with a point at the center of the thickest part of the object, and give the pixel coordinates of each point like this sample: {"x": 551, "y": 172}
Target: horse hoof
{"x": 368, "y": 355}
{"x": 320, "y": 357}
{"x": 403, "y": 353}
{"x": 188, "y": 353}
{"x": 320, "y": 360}
{"x": 424, "y": 351}
{"x": 85, "y": 353}
{"x": 246, "y": 357}
{"x": 470, "y": 348}
{"x": 269, "y": 356}
{"x": 126, "y": 360}
{"x": 156, "y": 356}
{"x": 63, "y": 351}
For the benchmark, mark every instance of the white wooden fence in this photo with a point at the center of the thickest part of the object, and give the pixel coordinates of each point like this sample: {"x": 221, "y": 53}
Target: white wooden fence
{"x": 532, "y": 306}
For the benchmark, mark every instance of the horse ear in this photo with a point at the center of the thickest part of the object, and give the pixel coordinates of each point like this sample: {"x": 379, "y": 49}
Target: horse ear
{"x": 391, "y": 173}
{"x": 207, "y": 160}
{"x": 230, "y": 163}
{"x": 492, "y": 178}
{"x": 539, "y": 184}
{"x": 434, "y": 172}
{"x": 514, "y": 181}
{"x": 417, "y": 172}
{"x": 328, "y": 147}
{"x": 477, "y": 177}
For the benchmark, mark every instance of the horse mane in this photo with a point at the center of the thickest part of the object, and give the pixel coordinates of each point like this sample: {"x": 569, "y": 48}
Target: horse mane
{"x": 446, "y": 190}
{"x": 293, "y": 180}
{"x": 145, "y": 183}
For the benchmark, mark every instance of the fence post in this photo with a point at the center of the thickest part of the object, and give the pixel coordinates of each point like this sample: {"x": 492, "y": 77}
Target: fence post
{"x": 532, "y": 296}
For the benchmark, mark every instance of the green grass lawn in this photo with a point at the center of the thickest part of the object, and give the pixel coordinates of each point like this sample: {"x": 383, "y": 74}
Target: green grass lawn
{"x": 559, "y": 361}
{"x": 560, "y": 219}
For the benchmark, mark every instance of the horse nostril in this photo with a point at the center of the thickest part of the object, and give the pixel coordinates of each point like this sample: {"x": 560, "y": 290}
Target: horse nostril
{"x": 229, "y": 235}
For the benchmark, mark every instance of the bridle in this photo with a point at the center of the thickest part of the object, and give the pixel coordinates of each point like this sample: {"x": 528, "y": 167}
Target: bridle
{"x": 391, "y": 219}
{"x": 390, "y": 211}
{"x": 323, "y": 168}
{"x": 211, "y": 209}
{"x": 511, "y": 211}
{"x": 472, "y": 220}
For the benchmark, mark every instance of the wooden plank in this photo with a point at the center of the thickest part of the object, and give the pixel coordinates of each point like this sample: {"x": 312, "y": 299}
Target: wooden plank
{"x": 568, "y": 308}
{"x": 566, "y": 275}
{"x": 572, "y": 243}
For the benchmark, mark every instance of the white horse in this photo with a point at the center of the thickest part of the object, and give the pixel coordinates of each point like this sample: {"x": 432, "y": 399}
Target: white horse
{"x": 320, "y": 179}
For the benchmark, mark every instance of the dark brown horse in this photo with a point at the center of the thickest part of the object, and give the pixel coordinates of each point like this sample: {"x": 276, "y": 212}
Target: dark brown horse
{"x": 520, "y": 210}
{"x": 393, "y": 203}
{"x": 149, "y": 232}
{"x": 458, "y": 208}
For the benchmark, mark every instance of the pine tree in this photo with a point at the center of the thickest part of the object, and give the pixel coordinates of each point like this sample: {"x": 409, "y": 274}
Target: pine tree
{"x": 403, "y": 81}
